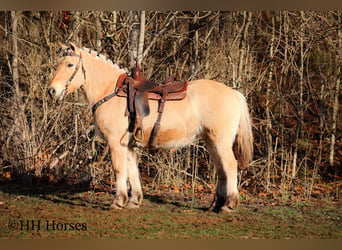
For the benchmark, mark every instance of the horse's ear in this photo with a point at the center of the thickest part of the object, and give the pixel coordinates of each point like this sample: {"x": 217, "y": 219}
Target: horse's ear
{"x": 63, "y": 46}
{"x": 74, "y": 47}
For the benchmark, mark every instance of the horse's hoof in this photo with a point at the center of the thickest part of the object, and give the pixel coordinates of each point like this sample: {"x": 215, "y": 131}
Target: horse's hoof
{"x": 233, "y": 202}
{"x": 115, "y": 205}
{"x": 132, "y": 205}
{"x": 226, "y": 210}
{"x": 224, "y": 207}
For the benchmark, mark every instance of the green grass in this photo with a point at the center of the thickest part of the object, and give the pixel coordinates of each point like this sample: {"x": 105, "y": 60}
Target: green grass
{"x": 320, "y": 220}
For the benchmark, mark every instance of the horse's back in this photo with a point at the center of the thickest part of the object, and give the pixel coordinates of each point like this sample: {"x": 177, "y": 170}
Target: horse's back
{"x": 212, "y": 94}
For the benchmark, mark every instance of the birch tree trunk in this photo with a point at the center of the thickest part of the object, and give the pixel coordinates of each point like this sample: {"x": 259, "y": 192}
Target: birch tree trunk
{"x": 133, "y": 36}
{"x": 268, "y": 111}
{"x": 136, "y": 38}
{"x": 141, "y": 38}
{"x": 115, "y": 17}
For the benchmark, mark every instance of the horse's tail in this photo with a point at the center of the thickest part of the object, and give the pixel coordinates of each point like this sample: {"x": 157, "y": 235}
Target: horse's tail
{"x": 245, "y": 135}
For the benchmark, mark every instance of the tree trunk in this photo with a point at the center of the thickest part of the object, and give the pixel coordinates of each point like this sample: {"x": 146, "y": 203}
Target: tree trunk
{"x": 300, "y": 133}
{"x": 98, "y": 30}
{"x": 133, "y": 38}
{"x": 301, "y": 76}
{"x": 336, "y": 96}
{"x": 247, "y": 16}
{"x": 224, "y": 19}
{"x": 194, "y": 47}
{"x": 283, "y": 84}
{"x": 141, "y": 38}
{"x": 115, "y": 17}
{"x": 74, "y": 37}
{"x": 15, "y": 72}
{"x": 268, "y": 111}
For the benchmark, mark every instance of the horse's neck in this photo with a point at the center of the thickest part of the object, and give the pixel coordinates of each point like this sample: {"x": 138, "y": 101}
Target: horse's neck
{"x": 101, "y": 77}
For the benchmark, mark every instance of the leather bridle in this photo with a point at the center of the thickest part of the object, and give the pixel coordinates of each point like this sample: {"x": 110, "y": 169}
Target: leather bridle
{"x": 69, "y": 52}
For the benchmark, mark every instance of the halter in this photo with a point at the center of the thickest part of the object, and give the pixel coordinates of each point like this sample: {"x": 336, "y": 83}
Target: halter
{"x": 69, "y": 52}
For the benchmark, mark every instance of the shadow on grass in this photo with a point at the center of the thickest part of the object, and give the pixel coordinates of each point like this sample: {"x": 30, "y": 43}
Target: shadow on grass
{"x": 81, "y": 193}
{"x": 180, "y": 203}
{"x": 63, "y": 191}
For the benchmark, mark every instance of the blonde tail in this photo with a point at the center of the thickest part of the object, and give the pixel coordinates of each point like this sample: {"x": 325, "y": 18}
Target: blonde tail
{"x": 245, "y": 135}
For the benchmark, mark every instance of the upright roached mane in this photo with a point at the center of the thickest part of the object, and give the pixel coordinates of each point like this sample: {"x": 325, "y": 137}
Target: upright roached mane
{"x": 210, "y": 110}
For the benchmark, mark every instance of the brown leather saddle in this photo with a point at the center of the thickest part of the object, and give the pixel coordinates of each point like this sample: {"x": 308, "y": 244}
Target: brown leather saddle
{"x": 138, "y": 91}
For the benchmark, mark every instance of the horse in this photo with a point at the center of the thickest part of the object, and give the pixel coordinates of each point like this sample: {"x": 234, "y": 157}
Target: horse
{"x": 211, "y": 110}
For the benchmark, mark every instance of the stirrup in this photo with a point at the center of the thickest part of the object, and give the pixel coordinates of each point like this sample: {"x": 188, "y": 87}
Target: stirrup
{"x": 138, "y": 134}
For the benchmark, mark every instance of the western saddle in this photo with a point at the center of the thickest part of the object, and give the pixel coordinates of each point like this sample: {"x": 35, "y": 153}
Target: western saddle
{"x": 138, "y": 91}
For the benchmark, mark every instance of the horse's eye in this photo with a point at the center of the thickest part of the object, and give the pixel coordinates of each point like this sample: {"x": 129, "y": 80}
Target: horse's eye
{"x": 69, "y": 65}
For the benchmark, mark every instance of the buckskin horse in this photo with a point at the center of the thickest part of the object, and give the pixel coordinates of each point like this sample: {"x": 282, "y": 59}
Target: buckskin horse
{"x": 210, "y": 110}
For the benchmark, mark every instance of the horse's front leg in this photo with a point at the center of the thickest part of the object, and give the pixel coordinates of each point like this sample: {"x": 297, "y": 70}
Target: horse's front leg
{"x": 136, "y": 194}
{"x": 119, "y": 161}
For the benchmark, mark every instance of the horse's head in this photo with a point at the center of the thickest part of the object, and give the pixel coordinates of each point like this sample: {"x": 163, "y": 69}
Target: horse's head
{"x": 70, "y": 74}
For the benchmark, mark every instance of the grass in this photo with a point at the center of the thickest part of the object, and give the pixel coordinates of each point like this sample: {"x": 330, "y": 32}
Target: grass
{"x": 163, "y": 218}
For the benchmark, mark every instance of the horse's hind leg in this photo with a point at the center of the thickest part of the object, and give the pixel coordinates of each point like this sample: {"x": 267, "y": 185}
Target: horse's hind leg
{"x": 226, "y": 198}
{"x": 136, "y": 194}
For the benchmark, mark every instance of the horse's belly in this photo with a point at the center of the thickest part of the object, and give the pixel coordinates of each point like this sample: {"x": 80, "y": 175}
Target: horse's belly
{"x": 179, "y": 125}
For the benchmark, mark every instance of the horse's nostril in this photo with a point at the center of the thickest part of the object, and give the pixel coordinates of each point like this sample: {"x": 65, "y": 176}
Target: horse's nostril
{"x": 51, "y": 92}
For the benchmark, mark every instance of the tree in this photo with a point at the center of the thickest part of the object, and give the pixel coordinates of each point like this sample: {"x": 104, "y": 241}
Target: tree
{"x": 136, "y": 38}
{"x": 336, "y": 91}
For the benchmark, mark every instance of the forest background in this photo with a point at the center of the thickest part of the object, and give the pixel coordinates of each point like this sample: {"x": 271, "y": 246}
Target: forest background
{"x": 287, "y": 64}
